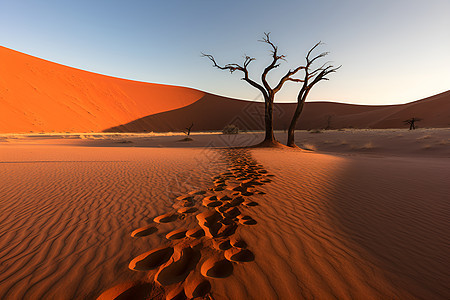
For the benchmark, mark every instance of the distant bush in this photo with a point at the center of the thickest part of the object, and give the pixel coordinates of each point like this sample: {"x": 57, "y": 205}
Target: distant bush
{"x": 186, "y": 139}
{"x": 315, "y": 131}
{"x": 230, "y": 129}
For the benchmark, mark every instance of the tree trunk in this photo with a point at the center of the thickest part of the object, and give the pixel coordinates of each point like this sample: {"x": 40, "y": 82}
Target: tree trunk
{"x": 269, "y": 122}
{"x": 291, "y": 132}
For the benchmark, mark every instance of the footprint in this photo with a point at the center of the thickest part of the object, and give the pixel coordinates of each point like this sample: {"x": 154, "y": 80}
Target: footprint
{"x": 186, "y": 198}
{"x": 183, "y": 261}
{"x": 195, "y": 233}
{"x": 211, "y": 203}
{"x": 250, "y": 203}
{"x": 152, "y": 259}
{"x": 197, "y": 193}
{"x": 132, "y": 290}
{"x": 196, "y": 286}
{"x": 166, "y": 218}
{"x": 144, "y": 231}
{"x": 247, "y": 193}
{"x": 231, "y": 212}
{"x": 187, "y": 210}
{"x": 176, "y": 234}
{"x": 226, "y": 230}
{"x": 209, "y": 217}
{"x": 247, "y": 220}
{"x": 221, "y": 244}
{"x": 216, "y": 268}
{"x": 188, "y": 204}
{"x": 251, "y": 183}
{"x": 239, "y": 255}
{"x": 223, "y": 207}
{"x": 237, "y": 242}
{"x": 177, "y": 293}
{"x": 236, "y": 201}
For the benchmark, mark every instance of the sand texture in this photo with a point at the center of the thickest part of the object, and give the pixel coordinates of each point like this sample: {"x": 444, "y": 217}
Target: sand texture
{"x": 148, "y": 217}
{"x": 67, "y": 214}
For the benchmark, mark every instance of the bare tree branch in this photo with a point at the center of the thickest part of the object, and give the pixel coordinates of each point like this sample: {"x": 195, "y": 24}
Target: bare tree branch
{"x": 236, "y": 67}
{"x": 311, "y": 78}
{"x": 288, "y": 77}
{"x": 267, "y": 91}
{"x": 274, "y": 64}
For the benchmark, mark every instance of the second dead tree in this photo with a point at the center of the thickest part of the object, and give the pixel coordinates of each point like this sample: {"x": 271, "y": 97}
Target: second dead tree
{"x": 411, "y": 123}
{"x": 188, "y": 129}
{"x": 311, "y": 78}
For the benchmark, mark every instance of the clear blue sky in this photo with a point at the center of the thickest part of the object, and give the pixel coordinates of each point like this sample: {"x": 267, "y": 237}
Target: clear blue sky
{"x": 391, "y": 51}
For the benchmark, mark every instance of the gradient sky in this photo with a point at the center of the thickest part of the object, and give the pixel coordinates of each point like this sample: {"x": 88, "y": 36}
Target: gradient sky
{"x": 391, "y": 51}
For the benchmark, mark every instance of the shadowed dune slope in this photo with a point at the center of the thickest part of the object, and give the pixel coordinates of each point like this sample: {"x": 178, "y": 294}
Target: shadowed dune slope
{"x": 38, "y": 95}
{"x": 214, "y": 112}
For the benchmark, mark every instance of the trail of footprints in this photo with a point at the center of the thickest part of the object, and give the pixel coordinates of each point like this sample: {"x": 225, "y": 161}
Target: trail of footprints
{"x": 210, "y": 249}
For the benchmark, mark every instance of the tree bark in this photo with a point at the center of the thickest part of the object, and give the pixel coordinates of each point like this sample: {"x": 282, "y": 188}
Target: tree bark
{"x": 291, "y": 131}
{"x": 269, "y": 122}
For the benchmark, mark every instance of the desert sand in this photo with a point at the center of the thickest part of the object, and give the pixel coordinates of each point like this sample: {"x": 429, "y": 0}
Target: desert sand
{"x": 358, "y": 214}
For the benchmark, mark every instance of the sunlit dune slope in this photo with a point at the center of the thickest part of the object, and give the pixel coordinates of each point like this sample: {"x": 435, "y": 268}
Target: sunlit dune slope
{"x": 214, "y": 112}
{"x": 38, "y": 95}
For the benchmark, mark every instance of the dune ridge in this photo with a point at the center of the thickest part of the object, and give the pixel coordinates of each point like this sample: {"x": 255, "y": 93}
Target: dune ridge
{"x": 247, "y": 115}
{"x": 39, "y": 95}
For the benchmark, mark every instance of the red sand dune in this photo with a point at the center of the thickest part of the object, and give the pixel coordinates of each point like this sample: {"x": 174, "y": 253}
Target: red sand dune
{"x": 434, "y": 112}
{"x": 38, "y": 95}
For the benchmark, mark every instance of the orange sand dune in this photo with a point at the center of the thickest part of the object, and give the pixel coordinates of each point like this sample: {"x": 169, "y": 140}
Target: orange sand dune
{"x": 38, "y": 95}
{"x": 434, "y": 112}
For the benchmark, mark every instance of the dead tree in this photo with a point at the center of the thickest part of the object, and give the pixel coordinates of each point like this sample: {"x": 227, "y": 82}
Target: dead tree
{"x": 311, "y": 78}
{"x": 267, "y": 91}
{"x": 188, "y": 129}
{"x": 328, "y": 117}
{"x": 411, "y": 123}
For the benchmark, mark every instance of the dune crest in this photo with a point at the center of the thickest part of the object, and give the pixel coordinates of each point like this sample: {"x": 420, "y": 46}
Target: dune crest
{"x": 39, "y": 95}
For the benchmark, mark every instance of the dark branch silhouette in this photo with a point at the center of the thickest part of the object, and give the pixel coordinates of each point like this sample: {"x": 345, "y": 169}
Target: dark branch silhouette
{"x": 412, "y": 122}
{"x": 188, "y": 129}
{"x": 267, "y": 91}
{"x": 310, "y": 79}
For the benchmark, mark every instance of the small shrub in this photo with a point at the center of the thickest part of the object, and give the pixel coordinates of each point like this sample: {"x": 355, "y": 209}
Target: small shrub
{"x": 367, "y": 146}
{"x": 186, "y": 139}
{"x": 315, "y": 131}
{"x": 230, "y": 129}
{"x": 308, "y": 146}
